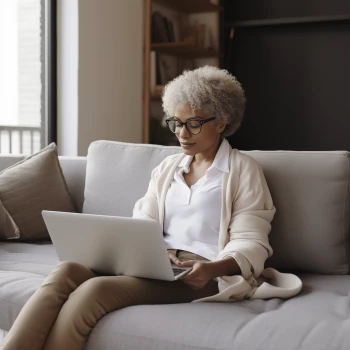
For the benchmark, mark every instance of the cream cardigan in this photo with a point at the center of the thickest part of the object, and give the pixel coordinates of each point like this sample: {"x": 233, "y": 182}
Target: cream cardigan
{"x": 246, "y": 213}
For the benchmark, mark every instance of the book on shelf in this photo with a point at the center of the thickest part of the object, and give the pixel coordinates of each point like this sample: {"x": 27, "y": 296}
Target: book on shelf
{"x": 156, "y": 88}
{"x": 172, "y": 31}
{"x": 159, "y": 31}
{"x": 169, "y": 28}
{"x": 160, "y": 70}
{"x": 153, "y": 79}
{"x": 162, "y": 28}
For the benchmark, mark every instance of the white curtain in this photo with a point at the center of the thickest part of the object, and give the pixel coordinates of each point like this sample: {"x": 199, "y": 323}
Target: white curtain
{"x": 22, "y": 72}
{"x": 29, "y": 62}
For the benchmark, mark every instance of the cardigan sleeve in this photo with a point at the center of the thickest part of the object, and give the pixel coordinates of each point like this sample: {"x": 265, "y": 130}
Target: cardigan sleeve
{"x": 243, "y": 263}
{"x": 147, "y": 206}
{"x": 250, "y": 224}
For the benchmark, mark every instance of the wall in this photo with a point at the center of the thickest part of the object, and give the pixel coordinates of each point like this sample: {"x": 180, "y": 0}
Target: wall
{"x": 292, "y": 58}
{"x": 67, "y": 77}
{"x": 105, "y": 76}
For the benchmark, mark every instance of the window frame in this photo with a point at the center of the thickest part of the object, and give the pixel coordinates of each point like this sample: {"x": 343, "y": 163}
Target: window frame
{"x": 49, "y": 118}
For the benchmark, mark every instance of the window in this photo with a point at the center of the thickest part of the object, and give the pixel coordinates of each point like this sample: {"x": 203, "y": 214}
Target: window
{"x": 27, "y": 80}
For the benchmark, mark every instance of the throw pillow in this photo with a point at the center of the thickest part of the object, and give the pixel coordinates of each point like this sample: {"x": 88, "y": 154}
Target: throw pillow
{"x": 26, "y": 188}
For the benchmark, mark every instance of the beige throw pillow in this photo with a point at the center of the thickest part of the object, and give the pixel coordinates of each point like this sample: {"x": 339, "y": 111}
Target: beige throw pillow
{"x": 26, "y": 188}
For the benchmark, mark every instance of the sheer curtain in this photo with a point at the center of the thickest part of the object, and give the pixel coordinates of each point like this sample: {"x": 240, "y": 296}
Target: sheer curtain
{"x": 22, "y": 67}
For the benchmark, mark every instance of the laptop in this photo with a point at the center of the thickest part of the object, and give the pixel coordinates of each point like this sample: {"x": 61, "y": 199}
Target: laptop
{"x": 112, "y": 245}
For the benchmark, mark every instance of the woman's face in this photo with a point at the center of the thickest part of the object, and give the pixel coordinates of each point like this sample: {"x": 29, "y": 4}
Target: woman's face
{"x": 207, "y": 140}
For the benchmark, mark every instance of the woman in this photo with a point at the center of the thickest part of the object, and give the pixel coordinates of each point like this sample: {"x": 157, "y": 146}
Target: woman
{"x": 214, "y": 205}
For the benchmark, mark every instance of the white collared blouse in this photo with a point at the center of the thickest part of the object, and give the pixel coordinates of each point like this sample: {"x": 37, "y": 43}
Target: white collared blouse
{"x": 192, "y": 214}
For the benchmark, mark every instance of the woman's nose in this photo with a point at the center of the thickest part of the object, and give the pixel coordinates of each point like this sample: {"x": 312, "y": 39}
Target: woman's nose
{"x": 184, "y": 132}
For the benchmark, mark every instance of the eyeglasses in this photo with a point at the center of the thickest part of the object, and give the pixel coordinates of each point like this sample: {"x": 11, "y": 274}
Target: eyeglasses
{"x": 194, "y": 127}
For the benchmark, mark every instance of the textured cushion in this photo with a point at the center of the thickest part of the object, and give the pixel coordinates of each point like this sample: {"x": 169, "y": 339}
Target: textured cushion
{"x": 310, "y": 230}
{"x": 117, "y": 175}
{"x": 28, "y": 187}
{"x": 310, "y": 190}
{"x": 74, "y": 171}
{"x": 318, "y": 318}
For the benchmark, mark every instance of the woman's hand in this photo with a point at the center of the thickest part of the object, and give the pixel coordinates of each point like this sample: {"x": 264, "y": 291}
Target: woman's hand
{"x": 174, "y": 259}
{"x": 200, "y": 274}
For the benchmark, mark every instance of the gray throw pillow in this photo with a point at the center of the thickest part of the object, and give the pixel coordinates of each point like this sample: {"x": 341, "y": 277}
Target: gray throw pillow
{"x": 26, "y": 188}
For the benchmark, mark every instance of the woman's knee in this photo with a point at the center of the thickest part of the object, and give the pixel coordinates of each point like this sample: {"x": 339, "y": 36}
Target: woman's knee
{"x": 91, "y": 288}
{"x": 90, "y": 299}
{"x": 71, "y": 268}
{"x": 67, "y": 272}
{"x": 104, "y": 290}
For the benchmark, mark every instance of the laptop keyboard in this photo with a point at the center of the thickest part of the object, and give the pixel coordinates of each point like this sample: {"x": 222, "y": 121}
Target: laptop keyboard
{"x": 178, "y": 271}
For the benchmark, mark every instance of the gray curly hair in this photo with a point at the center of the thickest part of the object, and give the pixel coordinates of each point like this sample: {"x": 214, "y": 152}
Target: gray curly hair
{"x": 213, "y": 90}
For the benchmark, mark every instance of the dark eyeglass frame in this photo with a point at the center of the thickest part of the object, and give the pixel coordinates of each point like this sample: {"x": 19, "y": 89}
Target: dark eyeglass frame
{"x": 201, "y": 121}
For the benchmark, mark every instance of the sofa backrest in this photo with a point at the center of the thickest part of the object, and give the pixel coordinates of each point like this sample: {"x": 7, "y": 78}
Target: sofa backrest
{"x": 74, "y": 171}
{"x": 118, "y": 175}
{"x": 310, "y": 230}
{"x": 310, "y": 190}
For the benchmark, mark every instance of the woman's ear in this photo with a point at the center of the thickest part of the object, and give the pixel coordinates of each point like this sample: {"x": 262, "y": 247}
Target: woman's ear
{"x": 221, "y": 126}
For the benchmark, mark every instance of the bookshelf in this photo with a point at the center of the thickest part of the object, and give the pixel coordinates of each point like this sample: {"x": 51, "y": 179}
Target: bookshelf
{"x": 184, "y": 50}
{"x": 176, "y": 48}
{"x": 190, "y": 6}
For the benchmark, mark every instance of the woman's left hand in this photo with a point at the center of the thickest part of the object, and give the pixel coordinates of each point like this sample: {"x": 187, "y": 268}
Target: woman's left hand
{"x": 200, "y": 274}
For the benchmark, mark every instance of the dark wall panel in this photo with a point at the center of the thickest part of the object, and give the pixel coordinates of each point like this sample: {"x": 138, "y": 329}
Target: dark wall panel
{"x": 296, "y": 78}
{"x": 262, "y": 9}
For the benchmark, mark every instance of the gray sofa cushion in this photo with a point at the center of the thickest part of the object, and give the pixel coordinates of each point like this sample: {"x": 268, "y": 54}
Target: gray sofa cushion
{"x": 316, "y": 319}
{"x": 310, "y": 231}
{"x": 23, "y": 267}
{"x": 310, "y": 190}
{"x": 74, "y": 170}
{"x": 117, "y": 175}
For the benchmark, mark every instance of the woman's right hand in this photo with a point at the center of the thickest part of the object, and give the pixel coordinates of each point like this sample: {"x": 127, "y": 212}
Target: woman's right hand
{"x": 174, "y": 259}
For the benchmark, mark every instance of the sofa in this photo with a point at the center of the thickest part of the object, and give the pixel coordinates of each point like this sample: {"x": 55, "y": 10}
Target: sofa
{"x": 310, "y": 238}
